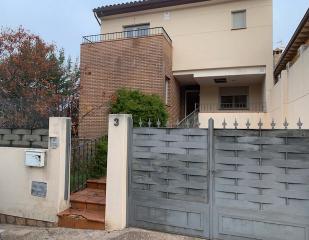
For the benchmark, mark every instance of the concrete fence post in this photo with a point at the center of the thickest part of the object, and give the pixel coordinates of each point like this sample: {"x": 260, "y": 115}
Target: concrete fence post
{"x": 117, "y": 171}
{"x": 60, "y": 153}
{"x": 212, "y": 167}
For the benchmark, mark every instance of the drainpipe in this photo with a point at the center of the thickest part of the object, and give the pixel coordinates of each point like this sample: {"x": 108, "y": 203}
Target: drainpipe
{"x": 96, "y": 17}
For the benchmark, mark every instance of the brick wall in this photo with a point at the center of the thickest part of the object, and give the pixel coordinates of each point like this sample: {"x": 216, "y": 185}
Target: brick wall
{"x": 26, "y": 138}
{"x": 174, "y": 90}
{"x": 139, "y": 63}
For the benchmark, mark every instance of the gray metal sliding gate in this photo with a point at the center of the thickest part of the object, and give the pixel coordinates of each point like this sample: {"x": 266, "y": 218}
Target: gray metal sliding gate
{"x": 261, "y": 186}
{"x": 221, "y": 183}
{"x": 169, "y": 181}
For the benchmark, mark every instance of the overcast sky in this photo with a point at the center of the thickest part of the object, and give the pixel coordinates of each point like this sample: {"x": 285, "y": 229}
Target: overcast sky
{"x": 64, "y": 22}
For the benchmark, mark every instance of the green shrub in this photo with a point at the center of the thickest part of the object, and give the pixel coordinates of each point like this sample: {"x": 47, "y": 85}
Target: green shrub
{"x": 141, "y": 106}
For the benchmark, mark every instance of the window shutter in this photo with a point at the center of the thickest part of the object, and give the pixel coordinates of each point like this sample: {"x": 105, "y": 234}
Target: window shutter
{"x": 239, "y": 19}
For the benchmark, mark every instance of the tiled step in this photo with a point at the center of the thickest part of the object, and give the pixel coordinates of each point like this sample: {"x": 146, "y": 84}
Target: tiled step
{"x": 82, "y": 219}
{"x": 89, "y": 198}
{"x": 97, "y": 183}
{"x": 87, "y": 208}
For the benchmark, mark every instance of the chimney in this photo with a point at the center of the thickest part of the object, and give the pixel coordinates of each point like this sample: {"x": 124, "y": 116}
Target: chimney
{"x": 276, "y": 55}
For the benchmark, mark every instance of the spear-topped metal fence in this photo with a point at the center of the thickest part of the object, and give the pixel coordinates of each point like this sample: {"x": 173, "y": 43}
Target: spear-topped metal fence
{"x": 192, "y": 121}
{"x": 260, "y": 124}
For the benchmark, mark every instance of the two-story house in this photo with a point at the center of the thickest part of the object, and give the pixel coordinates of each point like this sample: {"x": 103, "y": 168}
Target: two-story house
{"x": 213, "y": 58}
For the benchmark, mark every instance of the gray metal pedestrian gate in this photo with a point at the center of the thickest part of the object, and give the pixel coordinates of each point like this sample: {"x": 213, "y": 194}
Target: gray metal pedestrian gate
{"x": 220, "y": 183}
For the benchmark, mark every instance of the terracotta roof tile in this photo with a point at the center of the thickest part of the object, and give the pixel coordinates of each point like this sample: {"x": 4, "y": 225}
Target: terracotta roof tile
{"x": 135, "y": 6}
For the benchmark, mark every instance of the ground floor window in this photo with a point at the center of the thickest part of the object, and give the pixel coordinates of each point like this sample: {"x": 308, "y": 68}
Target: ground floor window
{"x": 234, "y": 98}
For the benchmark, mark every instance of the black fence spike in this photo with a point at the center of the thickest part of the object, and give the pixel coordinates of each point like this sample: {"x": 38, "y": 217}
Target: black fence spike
{"x": 224, "y": 124}
{"x": 299, "y": 124}
{"x": 260, "y": 124}
{"x": 140, "y": 122}
{"x": 236, "y": 124}
{"x": 285, "y": 124}
{"x": 158, "y": 123}
{"x": 248, "y": 124}
{"x": 273, "y": 124}
{"x": 149, "y": 123}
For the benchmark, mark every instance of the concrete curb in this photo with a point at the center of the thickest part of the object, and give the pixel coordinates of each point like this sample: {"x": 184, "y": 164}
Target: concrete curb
{"x": 13, "y": 232}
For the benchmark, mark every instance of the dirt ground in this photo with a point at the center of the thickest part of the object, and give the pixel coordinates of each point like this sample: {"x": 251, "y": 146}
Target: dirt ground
{"x": 13, "y": 232}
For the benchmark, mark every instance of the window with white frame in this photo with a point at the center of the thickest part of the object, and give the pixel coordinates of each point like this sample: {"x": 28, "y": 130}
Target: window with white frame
{"x": 239, "y": 19}
{"x": 166, "y": 90}
{"x": 138, "y": 30}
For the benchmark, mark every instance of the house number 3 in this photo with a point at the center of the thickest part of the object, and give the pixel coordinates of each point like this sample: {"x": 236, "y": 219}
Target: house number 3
{"x": 116, "y": 122}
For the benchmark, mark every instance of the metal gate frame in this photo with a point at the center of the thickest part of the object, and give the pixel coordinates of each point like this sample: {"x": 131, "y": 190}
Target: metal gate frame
{"x": 272, "y": 206}
{"x": 237, "y": 223}
{"x": 170, "y": 213}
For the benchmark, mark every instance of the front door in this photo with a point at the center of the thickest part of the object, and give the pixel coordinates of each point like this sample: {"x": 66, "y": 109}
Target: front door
{"x": 192, "y": 99}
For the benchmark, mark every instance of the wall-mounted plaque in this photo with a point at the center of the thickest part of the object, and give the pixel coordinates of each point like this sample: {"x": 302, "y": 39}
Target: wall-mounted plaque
{"x": 53, "y": 142}
{"x": 39, "y": 189}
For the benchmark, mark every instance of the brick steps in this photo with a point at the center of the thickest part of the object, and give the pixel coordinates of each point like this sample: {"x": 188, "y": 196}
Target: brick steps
{"x": 97, "y": 183}
{"x": 81, "y": 219}
{"x": 87, "y": 208}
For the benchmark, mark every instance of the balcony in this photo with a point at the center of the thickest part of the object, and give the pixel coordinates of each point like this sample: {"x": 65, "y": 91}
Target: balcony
{"x": 127, "y": 35}
{"x": 135, "y": 59}
{"x": 229, "y": 113}
{"x": 258, "y": 107}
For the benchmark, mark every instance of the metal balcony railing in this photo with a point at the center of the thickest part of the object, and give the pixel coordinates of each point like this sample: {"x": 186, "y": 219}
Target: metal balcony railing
{"x": 127, "y": 34}
{"x": 232, "y": 107}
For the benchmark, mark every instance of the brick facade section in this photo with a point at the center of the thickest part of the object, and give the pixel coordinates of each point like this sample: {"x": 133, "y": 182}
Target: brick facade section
{"x": 138, "y": 63}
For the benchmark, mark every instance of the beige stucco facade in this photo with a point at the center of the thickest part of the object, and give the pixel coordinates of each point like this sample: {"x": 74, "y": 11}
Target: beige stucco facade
{"x": 205, "y": 46}
{"x": 16, "y": 179}
{"x": 202, "y": 34}
{"x": 290, "y": 96}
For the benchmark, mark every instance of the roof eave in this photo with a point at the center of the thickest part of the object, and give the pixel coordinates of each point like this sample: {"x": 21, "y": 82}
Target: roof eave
{"x": 140, "y": 6}
{"x": 281, "y": 65}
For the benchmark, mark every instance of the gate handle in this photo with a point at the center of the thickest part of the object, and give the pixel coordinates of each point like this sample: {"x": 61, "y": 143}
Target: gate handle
{"x": 214, "y": 171}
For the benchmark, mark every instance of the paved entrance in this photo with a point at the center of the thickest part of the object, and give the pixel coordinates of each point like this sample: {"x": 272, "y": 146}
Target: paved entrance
{"x": 13, "y": 232}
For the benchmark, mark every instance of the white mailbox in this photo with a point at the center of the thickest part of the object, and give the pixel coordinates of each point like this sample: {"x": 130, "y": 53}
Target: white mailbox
{"x": 35, "y": 157}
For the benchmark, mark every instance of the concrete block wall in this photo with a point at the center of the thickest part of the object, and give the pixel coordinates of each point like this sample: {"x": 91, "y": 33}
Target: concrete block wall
{"x": 27, "y": 138}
